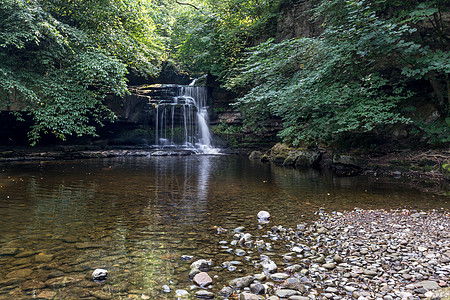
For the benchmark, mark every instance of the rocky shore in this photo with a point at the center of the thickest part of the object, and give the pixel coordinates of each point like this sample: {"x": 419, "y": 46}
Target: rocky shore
{"x": 359, "y": 254}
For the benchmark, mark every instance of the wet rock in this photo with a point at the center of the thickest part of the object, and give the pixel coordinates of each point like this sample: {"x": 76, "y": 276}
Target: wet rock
{"x": 296, "y": 297}
{"x": 279, "y": 276}
{"x": 269, "y": 266}
{"x": 25, "y": 254}
{"x": 46, "y": 295}
{"x": 241, "y": 282}
{"x": 202, "y": 279}
{"x": 43, "y": 258}
{"x": 166, "y": 289}
{"x": 329, "y": 266}
{"x": 187, "y": 257}
{"x": 32, "y": 285}
{"x": 204, "y": 294}
{"x": 248, "y": 296}
{"x": 285, "y": 293}
{"x": 60, "y": 282}
{"x": 239, "y": 229}
{"x": 22, "y": 273}
{"x": 181, "y": 293}
{"x": 257, "y": 288}
{"x": 99, "y": 275}
{"x": 201, "y": 264}
{"x": 429, "y": 285}
{"x": 263, "y": 216}
{"x": 8, "y": 251}
{"x": 294, "y": 284}
{"x": 226, "y": 291}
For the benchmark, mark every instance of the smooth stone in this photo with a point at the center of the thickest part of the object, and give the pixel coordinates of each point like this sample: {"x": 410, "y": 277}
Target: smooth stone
{"x": 242, "y": 282}
{"x": 60, "y": 282}
{"x": 329, "y": 266}
{"x": 248, "y": 296}
{"x": 8, "y": 251}
{"x": 263, "y": 215}
{"x": 201, "y": 264}
{"x": 226, "y": 291}
{"x": 43, "y": 258}
{"x": 202, "y": 279}
{"x": 285, "y": 293}
{"x": 337, "y": 259}
{"x": 257, "y": 288}
{"x": 297, "y": 297}
{"x": 204, "y": 294}
{"x": 22, "y": 273}
{"x": 294, "y": 284}
{"x": 187, "y": 257}
{"x": 166, "y": 288}
{"x": 25, "y": 254}
{"x": 269, "y": 266}
{"x": 279, "y": 276}
{"x": 429, "y": 285}
{"x": 46, "y": 295}
{"x": 32, "y": 285}
{"x": 370, "y": 272}
{"x": 331, "y": 290}
{"x": 297, "y": 249}
{"x": 99, "y": 274}
{"x": 181, "y": 293}
{"x": 260, "y": 277}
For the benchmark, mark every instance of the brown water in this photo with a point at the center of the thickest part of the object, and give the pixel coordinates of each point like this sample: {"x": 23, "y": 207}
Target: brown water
{"x": 135, "y": 217}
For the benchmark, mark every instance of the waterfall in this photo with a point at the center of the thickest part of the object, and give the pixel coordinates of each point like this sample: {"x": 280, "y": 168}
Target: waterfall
{"x": 181, "y": 119}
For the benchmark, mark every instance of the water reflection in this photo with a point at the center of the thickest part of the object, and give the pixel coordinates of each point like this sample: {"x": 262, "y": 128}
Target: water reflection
{"x": 135, "y": 217}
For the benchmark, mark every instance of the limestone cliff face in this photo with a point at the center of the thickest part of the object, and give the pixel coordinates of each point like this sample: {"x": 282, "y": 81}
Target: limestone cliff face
{"x": 295, "y": 21}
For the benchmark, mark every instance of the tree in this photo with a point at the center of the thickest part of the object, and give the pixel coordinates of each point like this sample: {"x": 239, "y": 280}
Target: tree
{"x": 351, "y": 80}
{"x": 59, "y": 62}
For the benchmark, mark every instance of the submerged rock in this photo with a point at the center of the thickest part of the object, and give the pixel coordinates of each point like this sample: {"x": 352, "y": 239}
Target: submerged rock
{"x": 99, "y": 274}
{"x": 202, "y": 279}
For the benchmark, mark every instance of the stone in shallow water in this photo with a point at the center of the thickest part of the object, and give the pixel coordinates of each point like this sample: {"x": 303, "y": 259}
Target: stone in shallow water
{"x": 202, "y": 279}
{"x": 201, "y": 264}
{"x": 279, "y": 276}
{"x": 99, "y": 274}
{"x": 181, "y": 293}
{"x": 329, "y": 266}
{"x": 285, "y": 293}
{"x": 248, "y": 296}
{"x": 22, "y": 273}
{"x": 43, "y": 258}
{"x": 46, "y": 295}
{"x": 226, "y": 291}
{"x": 242, "y": 282}
{"x": 294, "y": 284}
{"x": 8, "y": 251}
{"x": 204, "y": 294}
{"x": 32, "y": 285}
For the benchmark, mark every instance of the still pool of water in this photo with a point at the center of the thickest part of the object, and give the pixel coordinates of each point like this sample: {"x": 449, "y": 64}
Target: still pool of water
{"x": 136, "y": 217}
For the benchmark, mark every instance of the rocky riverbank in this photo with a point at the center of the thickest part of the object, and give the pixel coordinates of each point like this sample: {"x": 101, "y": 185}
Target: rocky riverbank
{"x": 430, "y": 165}
{"x": 360, "y": 254}
{"x": 82, "y": 152}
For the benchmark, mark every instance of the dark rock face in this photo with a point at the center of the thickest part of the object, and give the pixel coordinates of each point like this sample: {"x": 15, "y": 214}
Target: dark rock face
{"x": 295, "y": 21}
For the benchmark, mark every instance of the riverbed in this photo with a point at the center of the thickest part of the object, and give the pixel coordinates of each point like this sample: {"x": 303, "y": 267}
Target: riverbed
{"x": 137, "y": 216}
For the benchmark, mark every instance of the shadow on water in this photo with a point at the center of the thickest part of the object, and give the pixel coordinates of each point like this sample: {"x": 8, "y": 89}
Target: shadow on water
{"x": 135, "y": 217}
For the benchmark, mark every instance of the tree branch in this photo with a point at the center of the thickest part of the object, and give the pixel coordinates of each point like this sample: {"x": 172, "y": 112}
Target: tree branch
{"x": 188, "y": 4}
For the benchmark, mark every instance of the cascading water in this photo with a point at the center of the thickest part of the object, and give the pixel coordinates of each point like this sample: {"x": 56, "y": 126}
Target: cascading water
{"x": 181, "y": 119}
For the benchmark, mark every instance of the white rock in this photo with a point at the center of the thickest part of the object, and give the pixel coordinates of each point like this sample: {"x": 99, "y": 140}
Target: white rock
{"x": 263, "y": 215}
{"x": 100, "y": 274}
